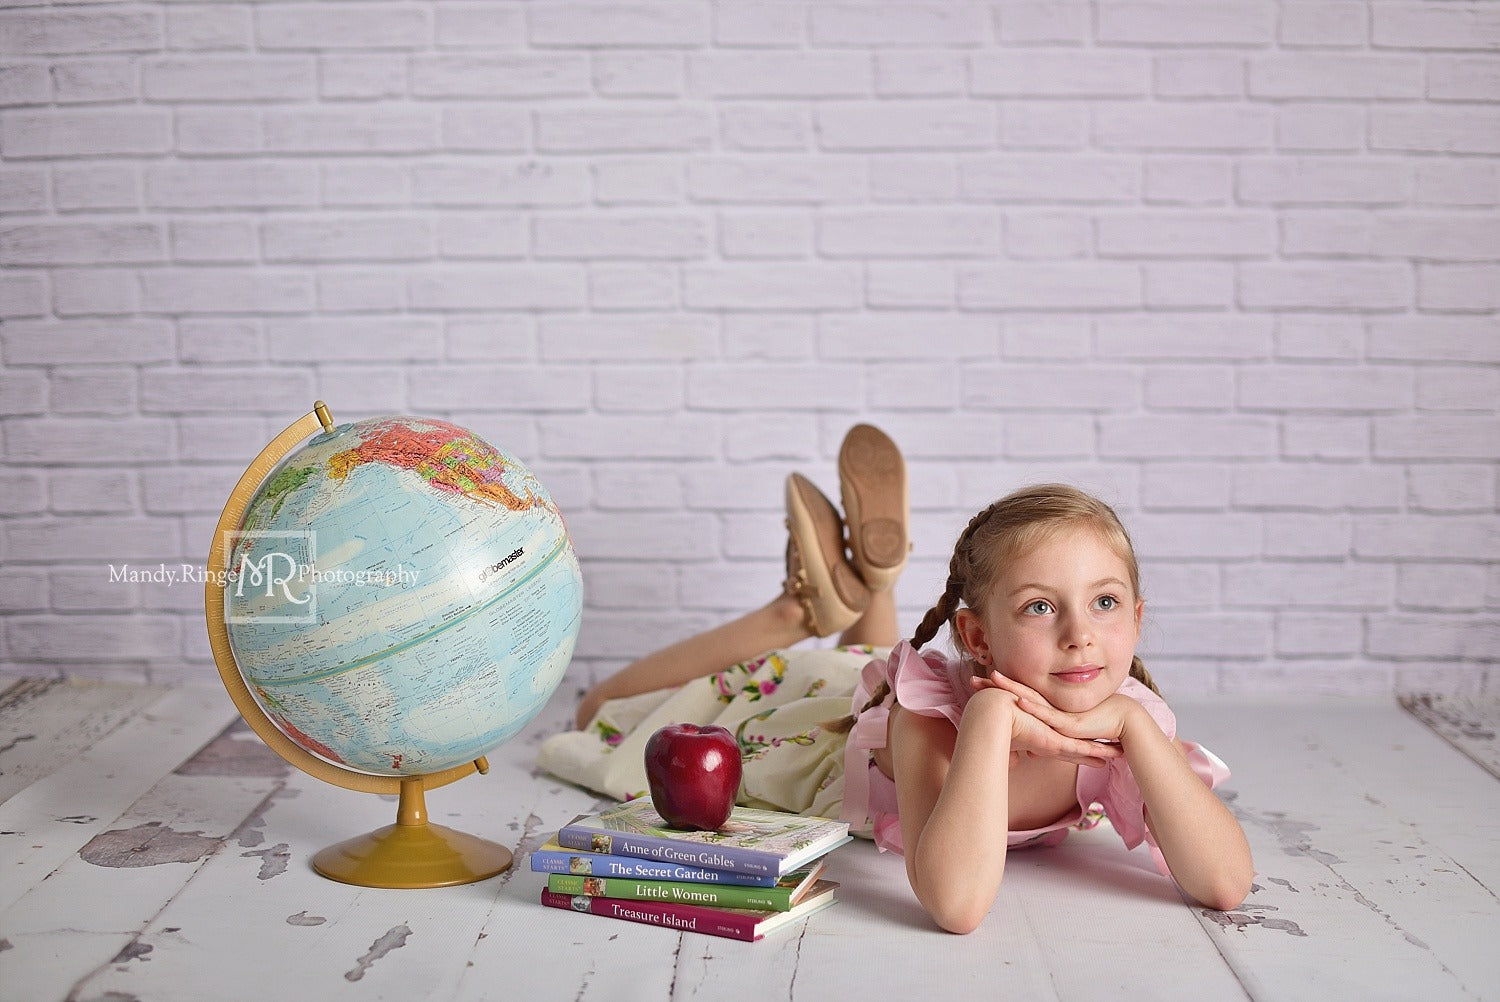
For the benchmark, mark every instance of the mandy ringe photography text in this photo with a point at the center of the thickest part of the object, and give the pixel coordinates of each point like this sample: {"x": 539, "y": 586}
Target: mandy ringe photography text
{"x": 258, "y": 574}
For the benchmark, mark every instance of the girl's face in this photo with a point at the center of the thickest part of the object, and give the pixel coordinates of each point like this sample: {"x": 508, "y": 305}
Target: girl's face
{"x": 1061, "y": 618}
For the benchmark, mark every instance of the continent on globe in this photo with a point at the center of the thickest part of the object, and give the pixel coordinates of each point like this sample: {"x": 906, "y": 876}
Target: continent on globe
{"x": 448, "y": 457}
{"x": 405, "y": 595}
{"x": 311, "y": 744}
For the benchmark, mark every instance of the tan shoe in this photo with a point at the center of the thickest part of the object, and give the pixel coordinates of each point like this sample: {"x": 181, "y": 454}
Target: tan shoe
{"x": 819, "y": 576}
{"x": 872, "y": 481}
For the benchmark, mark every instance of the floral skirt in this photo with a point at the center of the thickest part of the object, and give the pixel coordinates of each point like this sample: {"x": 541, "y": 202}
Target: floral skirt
{"x": 776, "y": 706}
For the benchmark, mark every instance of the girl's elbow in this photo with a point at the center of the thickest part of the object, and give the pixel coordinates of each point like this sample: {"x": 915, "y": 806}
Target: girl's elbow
{"x": 1225, "y": 899}
{"x": 959, "y": 921}
{"x": 1229, "y": 891}
{"x": 959, "y": 913}
{"x": 957, "y": 899}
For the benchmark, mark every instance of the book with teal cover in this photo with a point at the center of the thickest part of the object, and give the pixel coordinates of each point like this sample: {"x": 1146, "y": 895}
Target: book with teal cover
{"x": 553, "y": 858}
{"x": 788, "y": 891}
{"x": 751, "y": 841}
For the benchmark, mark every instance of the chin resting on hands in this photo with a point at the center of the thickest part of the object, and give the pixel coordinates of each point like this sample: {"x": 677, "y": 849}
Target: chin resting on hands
{"x": 1031, "y": 735}
{"x": 1104, "y": 722}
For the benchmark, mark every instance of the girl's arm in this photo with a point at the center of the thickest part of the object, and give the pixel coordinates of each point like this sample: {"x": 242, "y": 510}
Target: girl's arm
{"x": 1203, "y": 844}
{"x": 953, "y": 793}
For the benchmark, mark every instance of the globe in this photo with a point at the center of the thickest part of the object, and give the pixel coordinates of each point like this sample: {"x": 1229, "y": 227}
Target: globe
{"x": 397, "y": 595}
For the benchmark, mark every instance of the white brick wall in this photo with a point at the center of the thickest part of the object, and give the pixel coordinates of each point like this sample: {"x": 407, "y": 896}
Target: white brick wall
{"x": 1233, "y": 265}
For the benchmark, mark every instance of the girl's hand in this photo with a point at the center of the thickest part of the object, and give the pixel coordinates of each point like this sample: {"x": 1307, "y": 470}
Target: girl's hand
{"x": 1031, "y": 736}
{"x": 1103, "y": 723}
{"x": 1203, "y": 844}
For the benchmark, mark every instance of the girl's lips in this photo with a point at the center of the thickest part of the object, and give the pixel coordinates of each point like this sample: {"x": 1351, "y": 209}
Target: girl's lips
{"x": 1083, "y": 673}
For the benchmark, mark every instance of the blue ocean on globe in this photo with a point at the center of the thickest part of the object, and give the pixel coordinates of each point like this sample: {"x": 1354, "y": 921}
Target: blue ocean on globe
{"x": 403, "y": 596}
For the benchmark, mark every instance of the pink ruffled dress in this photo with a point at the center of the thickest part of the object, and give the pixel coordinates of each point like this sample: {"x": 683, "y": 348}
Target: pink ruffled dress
{"x": 934, "y": 685}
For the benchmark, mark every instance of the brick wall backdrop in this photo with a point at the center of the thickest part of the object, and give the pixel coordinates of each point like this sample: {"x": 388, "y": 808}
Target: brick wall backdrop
{"x": 1235, "y": 265}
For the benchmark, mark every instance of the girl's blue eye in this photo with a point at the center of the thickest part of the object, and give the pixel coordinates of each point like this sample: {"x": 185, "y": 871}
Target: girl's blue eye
{"x": 1107, "y": 602}
{"x": 1038, "y": 608}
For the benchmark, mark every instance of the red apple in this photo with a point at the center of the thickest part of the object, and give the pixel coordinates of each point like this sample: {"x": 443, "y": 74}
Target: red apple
{"x": 694, "y": 773}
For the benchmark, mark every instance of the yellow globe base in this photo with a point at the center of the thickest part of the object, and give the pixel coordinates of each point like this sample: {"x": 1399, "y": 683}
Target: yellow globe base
{"x": 406, "y": 856}
{"x": 412, "y": 852}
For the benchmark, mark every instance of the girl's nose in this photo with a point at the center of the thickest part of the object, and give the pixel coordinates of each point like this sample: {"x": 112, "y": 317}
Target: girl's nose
{"x": 1075, "y": 632}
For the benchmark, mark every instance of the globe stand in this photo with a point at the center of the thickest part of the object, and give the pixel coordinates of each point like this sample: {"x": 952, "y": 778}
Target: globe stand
{"x": 410, "y": 853}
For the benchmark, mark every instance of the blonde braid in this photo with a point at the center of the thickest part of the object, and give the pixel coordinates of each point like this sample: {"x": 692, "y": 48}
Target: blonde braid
{"x": 1140, "y": 674}
{"x": 844, "y": 724}
{"x": 938, "y": 614}
{"x": 960, "y": 574}
{"x": 959, "y": 567}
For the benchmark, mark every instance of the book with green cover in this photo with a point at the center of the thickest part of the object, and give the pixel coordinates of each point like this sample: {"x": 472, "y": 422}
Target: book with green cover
{"x": 751, "y": 841}
{"x": 788, "y": 891}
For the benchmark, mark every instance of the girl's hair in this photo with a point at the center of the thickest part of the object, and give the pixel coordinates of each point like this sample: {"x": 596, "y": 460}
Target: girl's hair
{"x": 1012, "y": 525}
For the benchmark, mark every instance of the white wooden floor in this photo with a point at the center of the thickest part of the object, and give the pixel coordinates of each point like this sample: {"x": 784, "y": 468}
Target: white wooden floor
{"x": 151, "y": 851}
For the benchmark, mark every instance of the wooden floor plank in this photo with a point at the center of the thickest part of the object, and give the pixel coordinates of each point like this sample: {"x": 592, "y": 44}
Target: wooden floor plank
{"x": 330, "y": 940}
{"x": 46, "y": 723}
{"x": 1054, "y": 932}
{"x": 1364, "y": 828}
{"x": 46, "y": 823}
{"x": 94, "y": 907}
{"x": 1077, "y": 904}
{"x": 1469, "y": 723}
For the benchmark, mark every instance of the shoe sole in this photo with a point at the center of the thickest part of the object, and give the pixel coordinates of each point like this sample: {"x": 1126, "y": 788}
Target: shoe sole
{"x": 811, "y": 516}
{"x": 872, "y": 479}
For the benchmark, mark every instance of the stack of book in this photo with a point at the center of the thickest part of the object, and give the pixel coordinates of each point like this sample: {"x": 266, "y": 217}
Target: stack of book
{"x": 761, "y": 871}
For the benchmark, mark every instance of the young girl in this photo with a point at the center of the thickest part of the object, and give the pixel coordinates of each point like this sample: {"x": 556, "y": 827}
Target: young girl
{"x": 1044, "y": 713}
